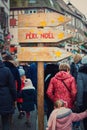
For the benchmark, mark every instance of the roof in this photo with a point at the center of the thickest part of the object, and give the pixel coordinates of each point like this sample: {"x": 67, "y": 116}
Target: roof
{"x": 64, "y": 6}
{"x": 77, "y": 13}
{"x": 51, "y": 4}
{"x": 71, "y": 9}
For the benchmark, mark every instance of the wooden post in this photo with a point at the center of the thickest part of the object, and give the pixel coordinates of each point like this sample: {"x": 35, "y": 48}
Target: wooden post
{"x": 40, "y": 96}
{"x": 41, "y": 35}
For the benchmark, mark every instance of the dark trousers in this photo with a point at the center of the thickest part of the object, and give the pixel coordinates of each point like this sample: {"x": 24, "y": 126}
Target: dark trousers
{"x": 50, "y": 108}
{"x": 85, "y": 108}
{"x": 85, "y": 123}
{"x": 5, "y": 122}
{"x": 19, "y": 106}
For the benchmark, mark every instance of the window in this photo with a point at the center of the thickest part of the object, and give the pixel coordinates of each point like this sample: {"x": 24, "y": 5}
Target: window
{"x": 32, "y": 1}
{"x": 73, "y": 21}
{"x": 26, "y": 11}
{"x": 13, "y": 22}
{"x": 30, "y": 11}
{"x": 34, "y": 11}
{"x": 1, "y": 10}
{"x": 15, "y": 12}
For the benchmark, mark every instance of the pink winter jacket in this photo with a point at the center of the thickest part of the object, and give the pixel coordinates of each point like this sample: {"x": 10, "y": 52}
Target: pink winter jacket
{"x": 62, "y": 118}
{"x": 57, "y": 90}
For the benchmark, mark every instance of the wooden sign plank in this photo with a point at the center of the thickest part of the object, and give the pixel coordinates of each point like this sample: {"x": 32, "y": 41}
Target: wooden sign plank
{"x": 41, "y": 19}
{"x": 33, "y": 35}
{"x": 41, "y": 54}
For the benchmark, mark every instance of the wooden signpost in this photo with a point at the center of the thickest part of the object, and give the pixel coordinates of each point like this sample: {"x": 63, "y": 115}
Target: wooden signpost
{"x": 29, "y": 33}
{"x": 42, "y": 20}
{"x": 46, "y": 54}
{"x": 33, "y": 35}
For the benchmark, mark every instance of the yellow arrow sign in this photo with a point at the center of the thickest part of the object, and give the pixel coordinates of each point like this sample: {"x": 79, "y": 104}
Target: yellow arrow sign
{"x": 41, "y": 54}
{"x": 41, "y": 19}
{"x": 26, "y": 35}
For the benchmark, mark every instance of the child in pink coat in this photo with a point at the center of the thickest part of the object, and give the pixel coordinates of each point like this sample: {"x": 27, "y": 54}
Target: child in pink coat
{"x": 62, "y": 118}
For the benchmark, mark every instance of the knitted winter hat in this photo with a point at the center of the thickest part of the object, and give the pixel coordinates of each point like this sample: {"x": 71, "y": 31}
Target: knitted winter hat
{"x": 28, "y": 83}
{"x": 21, "y": 71}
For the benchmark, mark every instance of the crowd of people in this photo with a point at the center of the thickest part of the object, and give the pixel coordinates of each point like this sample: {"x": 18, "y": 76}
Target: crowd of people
{"x": 65, "y": 92}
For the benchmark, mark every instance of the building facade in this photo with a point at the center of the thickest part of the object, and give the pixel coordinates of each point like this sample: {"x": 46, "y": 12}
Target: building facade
{"x": 4, "y": 22}
{"x": 77, "y": 26}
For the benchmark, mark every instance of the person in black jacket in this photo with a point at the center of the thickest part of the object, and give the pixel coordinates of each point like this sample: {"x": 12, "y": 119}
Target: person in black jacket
{"x": 7, "y": 95}
{"x": 74, "y": 67}
{"x": 10, "y": 63}
{"x": 82, "y": 88}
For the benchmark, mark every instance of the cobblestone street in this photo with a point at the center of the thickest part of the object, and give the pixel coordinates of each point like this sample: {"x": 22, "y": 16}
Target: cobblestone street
{"x": 19, "y": 124}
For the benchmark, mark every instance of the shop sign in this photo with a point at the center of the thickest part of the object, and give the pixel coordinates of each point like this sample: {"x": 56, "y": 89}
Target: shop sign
{"x": 41, "y": 35}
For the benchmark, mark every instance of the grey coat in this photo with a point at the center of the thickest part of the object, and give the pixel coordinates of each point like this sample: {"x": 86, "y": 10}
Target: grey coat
{"x": 82, "y": 86}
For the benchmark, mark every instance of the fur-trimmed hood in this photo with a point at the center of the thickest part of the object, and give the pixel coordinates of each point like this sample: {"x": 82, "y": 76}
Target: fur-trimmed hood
{"x": 60, "y": 114}
{"x": 28, "y": 84}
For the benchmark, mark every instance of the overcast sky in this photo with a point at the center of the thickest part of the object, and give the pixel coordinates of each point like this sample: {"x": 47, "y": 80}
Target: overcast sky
{"x": 80, "y": 4}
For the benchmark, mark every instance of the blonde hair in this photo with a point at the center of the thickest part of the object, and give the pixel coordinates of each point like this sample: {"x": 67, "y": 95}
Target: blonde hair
{"x": 59, "y": 103}
{"x": 77, "y": 58}
{"x": 64, "y": 67}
